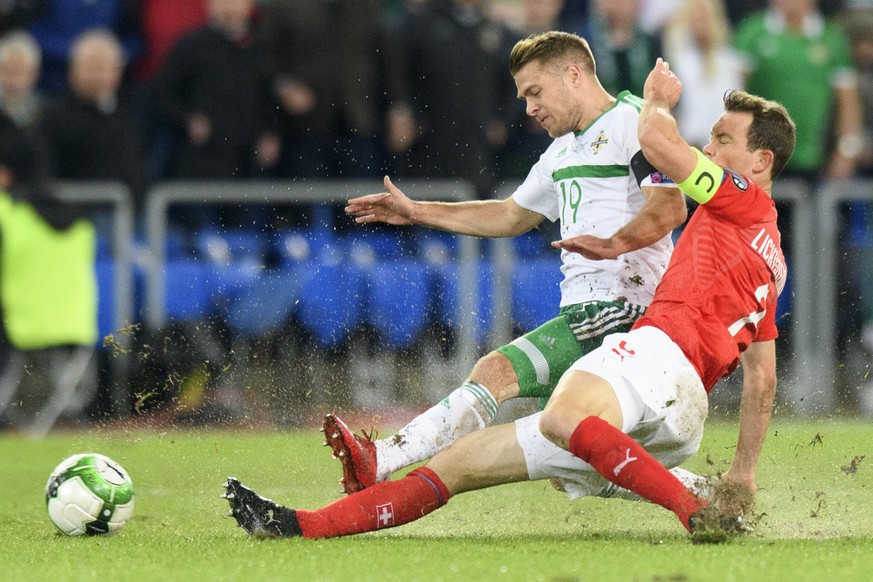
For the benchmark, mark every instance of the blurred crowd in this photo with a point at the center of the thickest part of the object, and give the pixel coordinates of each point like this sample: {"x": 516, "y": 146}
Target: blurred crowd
{"x": 149, "y": 90}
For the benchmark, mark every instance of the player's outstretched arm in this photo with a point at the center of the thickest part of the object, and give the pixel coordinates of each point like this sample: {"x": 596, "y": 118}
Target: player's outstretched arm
{"x": 663, "y": 211}
{"x": 658, "y": 132}
{"x": 485, "y": 218}
{"x": 756, "y": 407}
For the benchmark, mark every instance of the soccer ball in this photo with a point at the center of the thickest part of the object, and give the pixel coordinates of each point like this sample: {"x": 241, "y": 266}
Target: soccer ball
{"x": 89, "y": 494}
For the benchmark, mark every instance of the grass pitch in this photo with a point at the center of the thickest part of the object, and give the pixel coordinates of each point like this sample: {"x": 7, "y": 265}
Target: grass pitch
{"x": 816, "y": 480}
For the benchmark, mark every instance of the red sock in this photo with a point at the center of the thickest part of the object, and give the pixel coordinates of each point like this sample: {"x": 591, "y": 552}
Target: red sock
{"x": 626, "y": 463}
{"x": 386, "y": 504}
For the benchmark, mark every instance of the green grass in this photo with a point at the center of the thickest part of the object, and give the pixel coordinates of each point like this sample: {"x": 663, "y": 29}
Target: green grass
{"x": 818, "y": 522}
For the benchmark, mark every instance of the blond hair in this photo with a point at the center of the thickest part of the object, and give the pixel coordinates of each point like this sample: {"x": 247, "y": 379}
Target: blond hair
{"x": 552, "y": 47}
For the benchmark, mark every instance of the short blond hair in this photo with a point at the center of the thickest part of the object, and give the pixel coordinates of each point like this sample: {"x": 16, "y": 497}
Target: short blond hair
{"x": 552, "y": 47}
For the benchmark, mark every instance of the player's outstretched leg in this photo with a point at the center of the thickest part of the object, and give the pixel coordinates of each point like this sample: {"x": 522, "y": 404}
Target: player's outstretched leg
{"x": 257, "y": 515}
{"x": 387, "y": 504}
{"x": 468, "y": 408}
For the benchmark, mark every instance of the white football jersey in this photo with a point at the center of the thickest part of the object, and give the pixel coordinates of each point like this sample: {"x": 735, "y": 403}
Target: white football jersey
{"x": 584, "y": 179}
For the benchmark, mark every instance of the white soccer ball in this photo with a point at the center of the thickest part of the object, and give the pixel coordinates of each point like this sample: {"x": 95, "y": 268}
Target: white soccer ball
{"x": 89, "y": 494}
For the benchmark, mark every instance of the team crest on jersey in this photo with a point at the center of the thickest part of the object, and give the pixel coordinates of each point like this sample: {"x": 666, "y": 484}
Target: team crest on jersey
{"x": 739, "y": 181}
{"x": 598, "y": 143}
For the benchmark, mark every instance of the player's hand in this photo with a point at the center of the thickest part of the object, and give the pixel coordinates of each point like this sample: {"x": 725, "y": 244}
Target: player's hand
{"x": 391, "y": 207}
{"x": 590, "y": 247}
{"x": 734, "y": 494}
{"x": 662, "y": 84}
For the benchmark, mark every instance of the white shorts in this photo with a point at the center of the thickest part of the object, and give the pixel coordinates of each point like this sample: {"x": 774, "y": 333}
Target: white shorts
{"x": 662, "y": 399}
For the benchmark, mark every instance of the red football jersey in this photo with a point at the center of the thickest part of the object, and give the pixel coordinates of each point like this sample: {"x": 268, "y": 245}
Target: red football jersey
{"x": 720, "y": 289}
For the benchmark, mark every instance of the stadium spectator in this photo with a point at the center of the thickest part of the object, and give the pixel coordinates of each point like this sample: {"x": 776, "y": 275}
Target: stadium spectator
{"x": 859, "y": 28}
{"x": 20, "y": 60}
{"x": 61, "y": 22}
{"x": 739, "y": 10}
{"x": 623, "y": 51}
{"x": 163, "y": 23}
{"x": 639, "y": 400}
{"x": 21, "y": 103}
{"x": 216, "y": 92}
{"x": 337, "y": 105}
{"x": 795, "y": 56}
{"x": 48, "y": 292}
{"x": 583, "y": 179}
{"x": 89, "y": 131}
{"x": 215, "y": 87}
{"x": 697, "y": 45}
{"x": 460, "y": 91}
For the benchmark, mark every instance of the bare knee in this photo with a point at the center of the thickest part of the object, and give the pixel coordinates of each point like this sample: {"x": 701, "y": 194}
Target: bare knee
{"x": 578, "y": 395}
{"x": 495, "y": 372}
{"x": 557, "y": 426}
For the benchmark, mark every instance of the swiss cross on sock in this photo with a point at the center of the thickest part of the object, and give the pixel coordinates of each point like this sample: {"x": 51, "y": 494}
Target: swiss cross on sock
{"x": 385, "y": 515}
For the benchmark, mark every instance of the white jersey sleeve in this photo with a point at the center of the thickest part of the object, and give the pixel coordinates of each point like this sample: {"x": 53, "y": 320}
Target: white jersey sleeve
{"x": 537, "y": 192}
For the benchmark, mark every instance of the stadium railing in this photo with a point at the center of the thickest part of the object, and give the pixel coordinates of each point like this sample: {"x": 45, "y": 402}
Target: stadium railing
{"x": 805, "y": 373}
{"x": 117, "y": 198}
{"x": 166, "y": 195}
{"x": 809, "y": 386}
{"x": 824, "y": 287}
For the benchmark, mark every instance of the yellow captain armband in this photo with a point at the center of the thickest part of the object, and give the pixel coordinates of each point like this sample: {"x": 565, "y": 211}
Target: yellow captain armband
{"x": 704, "y": 180}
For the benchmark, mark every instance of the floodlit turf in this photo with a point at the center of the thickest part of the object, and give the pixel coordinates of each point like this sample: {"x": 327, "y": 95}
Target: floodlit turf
{"x": 816, "y": 491}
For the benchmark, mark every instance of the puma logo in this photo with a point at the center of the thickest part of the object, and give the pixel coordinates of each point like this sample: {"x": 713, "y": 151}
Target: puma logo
{"x": 628, "y": 459}
{"x": 625, "y": 351}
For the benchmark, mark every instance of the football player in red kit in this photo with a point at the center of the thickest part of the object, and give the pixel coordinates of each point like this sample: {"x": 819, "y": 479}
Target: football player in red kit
{"x": 715, "y": 306}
